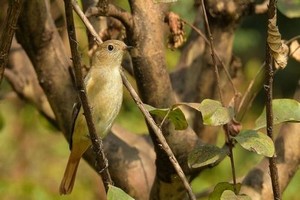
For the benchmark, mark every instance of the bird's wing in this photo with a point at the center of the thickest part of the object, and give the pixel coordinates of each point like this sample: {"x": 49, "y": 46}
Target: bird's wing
{"x": 75, "y": 111}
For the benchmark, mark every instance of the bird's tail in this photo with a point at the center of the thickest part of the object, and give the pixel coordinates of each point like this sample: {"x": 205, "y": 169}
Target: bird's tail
{"x": 68, "y": 180}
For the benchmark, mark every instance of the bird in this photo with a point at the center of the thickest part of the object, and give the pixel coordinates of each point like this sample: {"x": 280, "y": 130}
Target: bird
{"x": 104, "y": 90}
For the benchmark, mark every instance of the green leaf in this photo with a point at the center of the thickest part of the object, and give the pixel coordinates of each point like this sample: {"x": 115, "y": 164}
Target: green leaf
{"x": 221, "y": 187}
{"x": 213, "y": 113}
{"x": 175, "y": 115}
{"x": 115, "y": 193}
{"x": 230, "y": 195}
{"x": 257, "y": 142}
{"x": 290, "y": 8}
{"x": 205, "y": 155}
{"x": 284, "y": 110}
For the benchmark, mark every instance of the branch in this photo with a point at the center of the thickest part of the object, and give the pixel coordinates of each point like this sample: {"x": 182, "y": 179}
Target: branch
{"x": 229, "y": 141}
{"x": 112, "y": 11}
{"x": 216, "y": 54}
{"x": 9, "y": 27}
{"x": 269, "y": 107}
{"x": 86, "y": 21}
{"x": 101, "y": 160}
{"x": 212, "y": 49}
{"x": 23, "y": 79}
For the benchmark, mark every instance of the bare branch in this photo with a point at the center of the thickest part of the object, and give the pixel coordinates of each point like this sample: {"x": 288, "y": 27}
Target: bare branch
{"x": 212, "y": 48}
{"x": 96, "y": 142}
{"x": 86, "y": 21}
{"x": 269, "y": 73}
{"x": 21, "y": 76}
{"x": 216, "y": 54}
{"x": 112, "y": 11}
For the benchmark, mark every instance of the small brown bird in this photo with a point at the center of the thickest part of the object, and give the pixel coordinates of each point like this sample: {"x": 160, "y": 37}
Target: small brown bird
{"x": 104, "y": 90}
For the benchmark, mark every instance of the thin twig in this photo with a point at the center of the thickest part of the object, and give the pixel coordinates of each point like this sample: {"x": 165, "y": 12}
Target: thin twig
{"x": 231, "y": 157}
{"x": 212, "y": 49}
{"x": 253, "y": 88}
{"x": 269, "y": 107}
{"x": 160, "y": 136}
{"x": 217, "y": 55}
{"x": 155, "y": 128}
{"x": 101, "y": 160}
{"x": 85, "y": 20}
{"x": 229, "y": 143}
{"x": 292, "y": 39}
{"x": 228, "y": 137}
{"x": 8, "y": 31}
{"x": 113, "y": 11}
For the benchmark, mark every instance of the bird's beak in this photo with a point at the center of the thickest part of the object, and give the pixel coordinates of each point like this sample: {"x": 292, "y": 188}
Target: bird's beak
{"x": 128, "y": 47}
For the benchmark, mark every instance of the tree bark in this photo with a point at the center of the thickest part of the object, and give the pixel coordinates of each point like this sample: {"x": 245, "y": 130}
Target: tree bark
{"x": 155, "y": 88}
{"x": 41, "y": 41}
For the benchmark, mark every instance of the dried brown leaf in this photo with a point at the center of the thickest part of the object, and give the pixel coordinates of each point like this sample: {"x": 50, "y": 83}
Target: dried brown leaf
{"x": 279, "y": 49}
{"x": 177, "y": 34}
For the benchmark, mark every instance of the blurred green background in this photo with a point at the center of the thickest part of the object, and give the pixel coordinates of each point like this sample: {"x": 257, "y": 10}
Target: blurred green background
{"x": 33, "y": 154}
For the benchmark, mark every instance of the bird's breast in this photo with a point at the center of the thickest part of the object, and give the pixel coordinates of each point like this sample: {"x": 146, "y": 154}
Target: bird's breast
{"x": 105, "y": 95}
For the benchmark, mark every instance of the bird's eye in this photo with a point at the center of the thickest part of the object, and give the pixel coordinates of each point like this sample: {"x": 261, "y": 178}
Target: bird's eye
{"x": 110, "y": 47}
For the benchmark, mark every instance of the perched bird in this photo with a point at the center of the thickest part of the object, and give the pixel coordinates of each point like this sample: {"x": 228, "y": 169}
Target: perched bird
{"x": 104, "y": 90}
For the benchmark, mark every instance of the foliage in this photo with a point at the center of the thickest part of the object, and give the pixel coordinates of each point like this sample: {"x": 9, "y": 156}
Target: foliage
{"x": 284, "y": 110}
{"x": 220, "y": 188}
{"x": 230, "y": 195}
{"x": 212, "y": 111}
{"x": 204, "y": 155}
{"x": 115, "y": 193}
{"x": 257, "y": 142}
